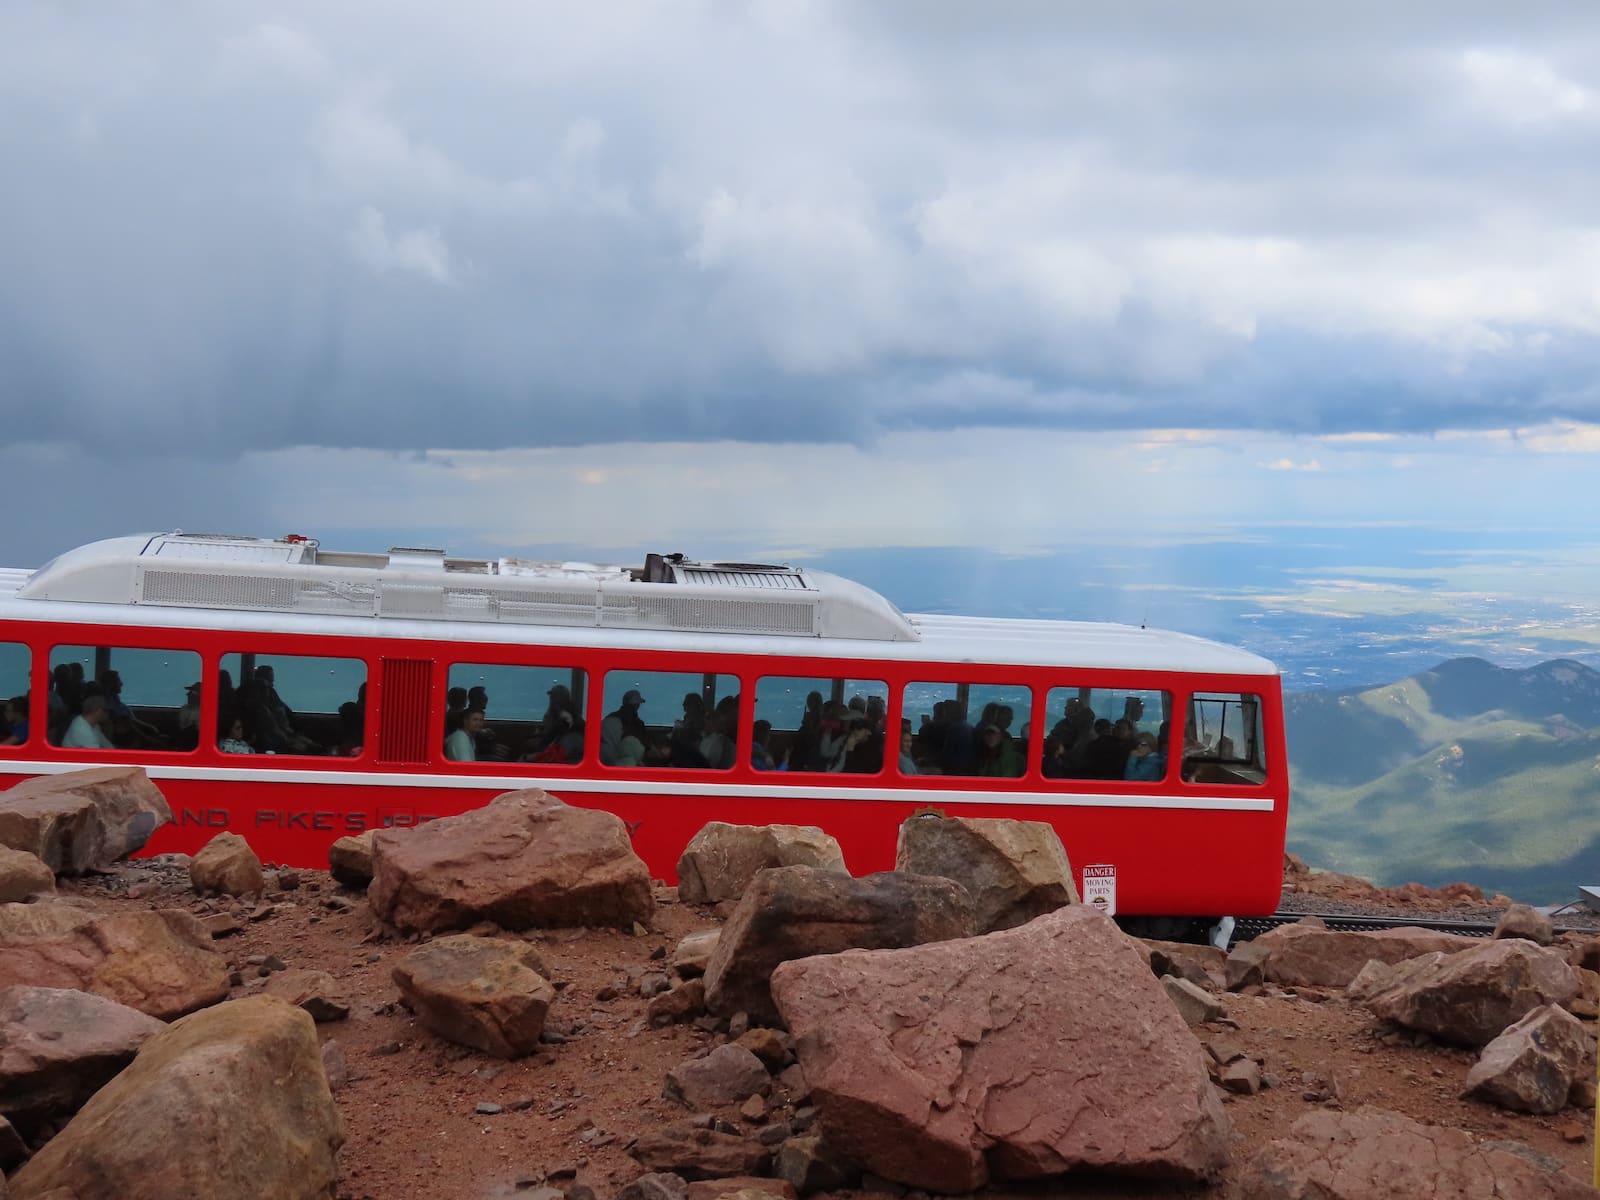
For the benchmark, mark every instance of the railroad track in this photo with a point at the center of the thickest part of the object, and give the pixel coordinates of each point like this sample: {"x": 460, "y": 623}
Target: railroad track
{"x": 1246, "y": 928}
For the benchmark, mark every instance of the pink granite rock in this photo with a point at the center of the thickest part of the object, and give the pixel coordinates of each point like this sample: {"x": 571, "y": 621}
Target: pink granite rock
{"x": 1470, "y": 997}
{"x": 228, "y": 1104}
{"x": 721, "y": 860}
{"x": 82, "y": 820}
{"x": 1019, "y": 1055}
{"x": 1013, "y": 870}
{"x": 1532, "y": 1065}
{"x": 1308, "y": 954}
{"x": 795, "y": 912}
{"x": 487, "y": 993}
{"x": 523, "y": 860}
{"x": 161, "y": 963}
{"x": 1376, "y": 1155}
{"x": 58, "y": 1046}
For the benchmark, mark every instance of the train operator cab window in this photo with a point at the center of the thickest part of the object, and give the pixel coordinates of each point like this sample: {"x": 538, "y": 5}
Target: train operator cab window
{"x": 117, "y": 698}
{"x": 16, "y": 661}
{"x": 1223, "y": 741}
{"x": 978, "y": 730}
{"x": 291, "y": 704}
{"x": 670, "y": 719}
{"x": 1106, "y": 733}
{"x": 815, "y": 724}
{"x": 497, "y": 713}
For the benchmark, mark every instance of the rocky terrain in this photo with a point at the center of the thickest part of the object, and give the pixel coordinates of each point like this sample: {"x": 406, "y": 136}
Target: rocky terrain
{"x": 513, "y": 1009}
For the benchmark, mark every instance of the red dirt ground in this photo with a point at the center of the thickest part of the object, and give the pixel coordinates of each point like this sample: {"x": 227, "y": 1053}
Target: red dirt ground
{"x": 409, "y": 1106}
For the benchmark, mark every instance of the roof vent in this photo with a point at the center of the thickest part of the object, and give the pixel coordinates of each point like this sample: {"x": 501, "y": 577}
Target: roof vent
{"x": 416, "y": 558}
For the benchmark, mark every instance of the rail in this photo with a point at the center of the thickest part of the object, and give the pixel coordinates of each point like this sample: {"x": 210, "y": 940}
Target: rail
{"x": 1247, "y": 928}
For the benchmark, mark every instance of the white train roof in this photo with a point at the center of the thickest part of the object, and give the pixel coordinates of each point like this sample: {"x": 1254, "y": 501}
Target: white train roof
{"x": 292, "y": 585}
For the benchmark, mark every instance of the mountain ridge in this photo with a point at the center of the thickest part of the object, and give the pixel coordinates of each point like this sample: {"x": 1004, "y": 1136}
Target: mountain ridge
{"x": 1466, "y": 771}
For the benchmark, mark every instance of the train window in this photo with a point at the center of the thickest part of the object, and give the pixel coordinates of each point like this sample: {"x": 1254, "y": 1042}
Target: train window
{"x": 814, "y": 724}
{"x": 16, "y": 661}
{"x": 1106, "y": 733}
{"x": 975, "y": 729}
{"x": 669, "y": 719}
{"x": 291, "y": 704}
{"x": 1222, "y": 739}
{"x": 121, "y": 698}
{"x": 530, "y": 714}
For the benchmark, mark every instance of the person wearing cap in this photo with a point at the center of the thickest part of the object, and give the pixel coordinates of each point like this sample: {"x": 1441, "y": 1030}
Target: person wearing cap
{"x": 623, "y": 721}
{"x": 189, "y": 714}
{"x": 997, "y": 756}
{"x": 560, "y": 718}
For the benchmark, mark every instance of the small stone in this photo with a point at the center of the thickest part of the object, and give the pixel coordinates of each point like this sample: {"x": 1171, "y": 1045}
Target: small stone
{"x": 486, "y": 1109}
{"x": 1242, "y": 1077}
{"x": 639, "y": 930}
{"x": 334, "y": 1066}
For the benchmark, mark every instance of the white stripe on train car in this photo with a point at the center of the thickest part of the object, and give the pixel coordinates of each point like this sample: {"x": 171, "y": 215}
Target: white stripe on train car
{"x": 732, "y": 791}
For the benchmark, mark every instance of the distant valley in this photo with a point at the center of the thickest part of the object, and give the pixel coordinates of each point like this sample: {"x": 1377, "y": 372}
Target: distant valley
{"x": 1468, "y": 771}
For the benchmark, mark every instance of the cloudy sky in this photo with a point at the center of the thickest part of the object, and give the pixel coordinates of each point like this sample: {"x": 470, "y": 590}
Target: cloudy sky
{"x": 795, "y": 278}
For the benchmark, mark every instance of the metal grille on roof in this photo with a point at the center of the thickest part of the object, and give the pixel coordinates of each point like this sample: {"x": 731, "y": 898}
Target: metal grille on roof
{"x": 722, "y": 577}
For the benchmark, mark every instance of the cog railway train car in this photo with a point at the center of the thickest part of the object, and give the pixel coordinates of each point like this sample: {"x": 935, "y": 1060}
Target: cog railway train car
{"x": 295, "y": 695}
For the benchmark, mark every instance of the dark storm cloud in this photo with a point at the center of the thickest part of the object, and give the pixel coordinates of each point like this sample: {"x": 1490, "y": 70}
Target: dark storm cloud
{"x": 392, "y": 227}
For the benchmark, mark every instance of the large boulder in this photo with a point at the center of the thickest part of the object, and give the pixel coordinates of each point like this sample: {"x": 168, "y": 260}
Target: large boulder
{"x": 1309, "y": 954}
{"x": 1018, "y": 1055}
{"x": 1472, "y": 996}
{"x": 58, "y": 1046}
{"x": 481, "y": 992}
{"x": 82, "y": 820}
{"x": 228, "y": 866}
{"x": 1371, "y": 1154}
{"x": 1013, "y": 870}
{"x": 1531, "y": 1066}
{"x": 350, "y": 859}
{"x": 227, "y": 1104}
{"x": 23, "y": 875}
{"x": 795, "y": 912}
{"x": 525, "y": 859}
{"x": 161, "y": 963}
{"x": 721, "y": 860}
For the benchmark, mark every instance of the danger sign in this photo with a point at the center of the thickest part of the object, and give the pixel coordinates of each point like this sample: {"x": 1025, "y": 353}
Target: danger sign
{"x": 1100, "y": 888}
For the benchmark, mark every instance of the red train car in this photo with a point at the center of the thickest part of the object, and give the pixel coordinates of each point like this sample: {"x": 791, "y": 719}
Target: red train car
{"x": 293, "y": 695}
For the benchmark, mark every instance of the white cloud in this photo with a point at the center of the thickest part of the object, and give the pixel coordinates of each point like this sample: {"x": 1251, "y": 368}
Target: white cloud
{"x": 418, "y": 251}
{"x": 270, "y": 49}
{"x": 1288, "y": 464}
{"x": 1520, "y": 87}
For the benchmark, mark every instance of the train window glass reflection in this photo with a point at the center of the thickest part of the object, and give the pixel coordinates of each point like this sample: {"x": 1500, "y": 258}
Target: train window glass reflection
{"x": 670, "y": 719}
{"x": 291, "y": 704}
{"x": 529, "y": 714}
{"x": 817, "y": 724}
{"x": 16, "y": 661}
{"x": 1222, "y": 739}
{"x": 972, "y": 729}
{"x": 121, "y": 698}
{"x": 1106, "y": 733}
